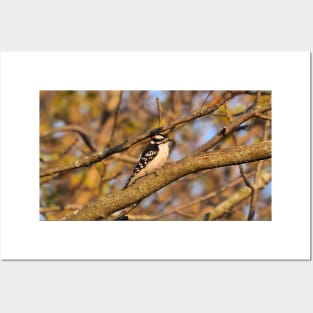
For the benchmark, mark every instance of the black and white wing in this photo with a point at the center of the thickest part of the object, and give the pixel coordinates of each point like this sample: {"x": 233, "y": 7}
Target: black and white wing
{"x": 145, "y": 159}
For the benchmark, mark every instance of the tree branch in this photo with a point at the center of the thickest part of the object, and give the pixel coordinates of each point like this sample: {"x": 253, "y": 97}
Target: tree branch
{"x": 254, "y": 195}
{"x": 239, "y": 196}
{"x": 85, "y": 136}
{"x": 99, "y": 156}
{"x": 231, "y": 127}
{"x": 166, "y": 175}
{"x": 116, "y": 113}
{"x": 159, "y": 106}
{"x": 84, "y": 161}
{"x": 180, "y": 209}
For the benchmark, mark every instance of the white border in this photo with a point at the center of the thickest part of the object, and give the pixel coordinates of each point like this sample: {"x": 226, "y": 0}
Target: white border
{"x": 24, "y": 74}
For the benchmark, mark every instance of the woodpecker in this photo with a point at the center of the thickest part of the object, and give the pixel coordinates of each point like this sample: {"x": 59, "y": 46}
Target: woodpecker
{"x": 152, "y": 158}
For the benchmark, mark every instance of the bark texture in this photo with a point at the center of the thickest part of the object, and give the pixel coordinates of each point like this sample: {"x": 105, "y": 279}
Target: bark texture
{"x": 168, "y": 174}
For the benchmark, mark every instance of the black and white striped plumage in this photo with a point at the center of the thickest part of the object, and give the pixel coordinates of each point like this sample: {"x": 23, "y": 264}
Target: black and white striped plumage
{"x": 153, "y": 157}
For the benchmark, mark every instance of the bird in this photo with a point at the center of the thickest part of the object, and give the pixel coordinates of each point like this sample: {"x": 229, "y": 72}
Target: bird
{"x": 152, "y": 158}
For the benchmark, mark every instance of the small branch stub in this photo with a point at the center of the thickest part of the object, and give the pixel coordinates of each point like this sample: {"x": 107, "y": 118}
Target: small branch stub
{"x": 159, "y": 110}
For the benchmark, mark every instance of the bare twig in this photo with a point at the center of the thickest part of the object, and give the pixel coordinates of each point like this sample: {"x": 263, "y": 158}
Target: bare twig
{"x": 85, "y": 161}
{"x": 106, "y": 179}
{"x": 263, "y": 116}
{"x": 115, "y": 102}
{"x": 206, "y": 98}
{"x": 61, "y": 154}
{"x": 257, "y": 178}
{"x": 257, "y": 98}
{"x": 125, "y": 158}
{"x": 159, "y": 110}
{"x": 230, "y": 119}
{"x": 210, "y": 108}
{"x": 85, "y": 136}
{"x": 116, "y": 113}
{"x": 58, "y": 208}
{"x": 45, "y": 179}
{"x": 226, "y": 130}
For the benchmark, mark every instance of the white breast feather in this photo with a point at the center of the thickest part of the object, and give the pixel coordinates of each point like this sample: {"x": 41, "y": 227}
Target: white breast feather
{"x": 159, "y": 160}
{"x": 156, "y": 163}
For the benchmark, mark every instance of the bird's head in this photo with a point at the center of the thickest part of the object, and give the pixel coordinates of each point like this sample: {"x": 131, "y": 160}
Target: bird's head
{"x": 159, "y": 139}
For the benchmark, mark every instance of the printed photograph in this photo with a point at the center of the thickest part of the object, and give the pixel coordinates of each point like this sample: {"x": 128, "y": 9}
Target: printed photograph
{"x": 155, "y": 155}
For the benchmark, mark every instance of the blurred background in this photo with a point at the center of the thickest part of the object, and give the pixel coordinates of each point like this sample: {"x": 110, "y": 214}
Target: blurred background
{"x": 78, "y": 123}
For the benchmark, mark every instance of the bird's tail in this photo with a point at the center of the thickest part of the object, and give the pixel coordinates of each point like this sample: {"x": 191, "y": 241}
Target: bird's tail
{"x": 122, "y": 218}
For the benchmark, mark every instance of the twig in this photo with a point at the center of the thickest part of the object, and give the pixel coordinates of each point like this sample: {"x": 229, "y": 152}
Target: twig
{"x": 213, "y": 106}
{"x": 206, "y": 98}
{"x": 45, "y": 179}
{"x": 85, "y": 161}
{"x": 50, "y": 209}
{"x": 125, "y": 158}
{"x": 61, "y": 154}
{"x": 58, "y": 208}
{"x": 72, "y": 128}
{"x": 103, "y": 169}
{"x": 159, "y": 110}
{"x": 226, "y": 130}
{"x": 263, "y": 116}
{"x": 104, "y": 180}
{"x": 262, "y": 93}
{"x": 230, "y": 119}
{"x": 116, "y": 113}
{"x": 257, "y": 178}
{"x": 220, "y": 114}
{"x": 257, "y": 98}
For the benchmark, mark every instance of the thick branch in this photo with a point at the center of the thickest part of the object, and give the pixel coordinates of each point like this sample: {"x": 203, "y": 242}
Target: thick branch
{"x": 169, "y": 173}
